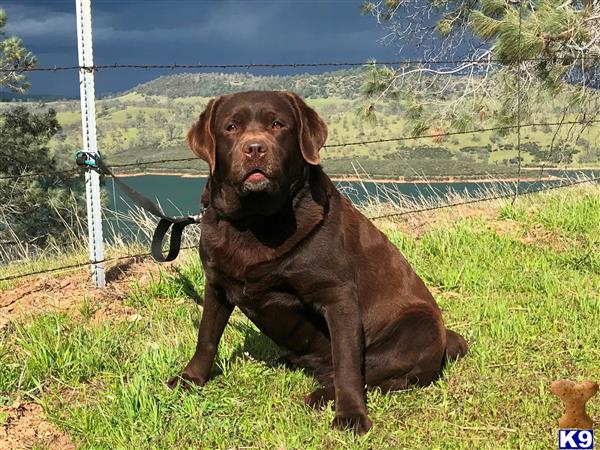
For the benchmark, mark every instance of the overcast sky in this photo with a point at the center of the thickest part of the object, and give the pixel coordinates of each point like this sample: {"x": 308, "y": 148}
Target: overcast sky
{"x": 191, "y": 31}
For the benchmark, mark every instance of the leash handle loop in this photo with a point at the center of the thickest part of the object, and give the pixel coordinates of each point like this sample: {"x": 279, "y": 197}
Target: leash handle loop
{"x": 175, "y": 242}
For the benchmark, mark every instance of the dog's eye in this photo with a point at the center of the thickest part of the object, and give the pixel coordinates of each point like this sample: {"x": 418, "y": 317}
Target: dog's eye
{"x": 231, "y": 127}
{"x": 277, "y": 124}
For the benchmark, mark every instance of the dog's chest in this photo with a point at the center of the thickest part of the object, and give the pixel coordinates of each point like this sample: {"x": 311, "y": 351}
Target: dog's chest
{"x": 256, "y": 293}
{"x": 235, "y": 255}
{"x": 278, "y": 313}
{"x": 239, "y": 252}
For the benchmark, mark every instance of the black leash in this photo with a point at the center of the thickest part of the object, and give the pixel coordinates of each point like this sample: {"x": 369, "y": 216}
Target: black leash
{"x": 94, "y": 162}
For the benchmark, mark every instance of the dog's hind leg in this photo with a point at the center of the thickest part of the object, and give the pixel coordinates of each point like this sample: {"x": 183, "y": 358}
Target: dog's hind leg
{"x": 456, "y": 346}
{"x": 319, "y": 398}
{"x": 409, "y": 351}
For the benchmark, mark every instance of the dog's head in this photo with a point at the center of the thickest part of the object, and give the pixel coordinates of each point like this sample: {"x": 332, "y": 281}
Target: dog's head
{"x": 257, "y": 145}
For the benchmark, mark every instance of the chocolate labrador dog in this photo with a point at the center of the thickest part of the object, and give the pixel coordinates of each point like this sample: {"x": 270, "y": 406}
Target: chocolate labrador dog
{"x": 280, "y": 243}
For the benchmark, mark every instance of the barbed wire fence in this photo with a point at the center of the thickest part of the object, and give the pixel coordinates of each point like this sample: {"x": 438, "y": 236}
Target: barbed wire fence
{"x": 506, "y": 195}
{"x": 299, "y": 65}
{"x": 513, "y": 194}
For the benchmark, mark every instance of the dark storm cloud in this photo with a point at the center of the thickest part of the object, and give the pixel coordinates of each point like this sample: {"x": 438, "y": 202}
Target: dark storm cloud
{"x": 165, "y": 32}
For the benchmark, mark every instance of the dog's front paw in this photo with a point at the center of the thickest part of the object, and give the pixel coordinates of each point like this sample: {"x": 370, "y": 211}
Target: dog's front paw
{"x": 359, "y": 422}
{"x": 185, "y": 380}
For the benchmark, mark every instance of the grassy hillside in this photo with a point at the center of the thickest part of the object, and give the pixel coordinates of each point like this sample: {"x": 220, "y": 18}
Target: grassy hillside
{"x": 341, "y": 83}
{"x": 150, "y": 122}
{"x": 522, "y": 283}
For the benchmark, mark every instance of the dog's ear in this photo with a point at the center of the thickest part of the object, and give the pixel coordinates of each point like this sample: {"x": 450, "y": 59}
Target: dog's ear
{"x": 201, "y": 137}
{"x": 312, "y": 131}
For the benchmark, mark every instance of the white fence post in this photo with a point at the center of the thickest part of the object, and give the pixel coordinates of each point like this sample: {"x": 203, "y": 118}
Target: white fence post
{"x": 88, "y": 128}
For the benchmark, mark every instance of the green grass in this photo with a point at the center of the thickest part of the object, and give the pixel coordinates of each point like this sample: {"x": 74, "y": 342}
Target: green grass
{"x": 69, "y": 117}
{"x": 529, "y": 309}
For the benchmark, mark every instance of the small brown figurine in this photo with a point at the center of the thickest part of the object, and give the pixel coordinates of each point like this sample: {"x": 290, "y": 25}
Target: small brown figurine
{"x": 574, "y": 396}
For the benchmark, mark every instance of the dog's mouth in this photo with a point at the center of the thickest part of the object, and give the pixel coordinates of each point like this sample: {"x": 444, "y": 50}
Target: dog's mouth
{"x": 256, "y": 181}
{"x": 255, "y": 177}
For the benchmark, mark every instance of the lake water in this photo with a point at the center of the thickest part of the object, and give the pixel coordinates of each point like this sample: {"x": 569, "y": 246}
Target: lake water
{"x": 181, "y": 195}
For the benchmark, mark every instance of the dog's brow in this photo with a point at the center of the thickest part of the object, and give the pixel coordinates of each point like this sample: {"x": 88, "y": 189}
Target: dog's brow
{"x": 270, "y": 113}
{"x": 235, "y": 116}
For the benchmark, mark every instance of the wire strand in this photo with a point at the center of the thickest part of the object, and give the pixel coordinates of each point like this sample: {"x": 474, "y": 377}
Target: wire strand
{"x": 95, "y": 67}
{"x": 38, "y": 174}
{"x": 83, "y": 264}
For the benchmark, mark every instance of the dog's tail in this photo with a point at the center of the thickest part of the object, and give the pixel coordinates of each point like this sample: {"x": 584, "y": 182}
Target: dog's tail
{"x": 456, "y": 346}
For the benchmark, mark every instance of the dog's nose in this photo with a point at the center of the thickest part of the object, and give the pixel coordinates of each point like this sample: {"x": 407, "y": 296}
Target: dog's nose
{"x": 254, "y": 148}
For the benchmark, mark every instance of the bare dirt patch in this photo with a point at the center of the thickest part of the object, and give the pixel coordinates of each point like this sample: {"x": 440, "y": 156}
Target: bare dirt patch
{"x": 534, "y": 235}
{"x": 416, "y": 225}
{"x": 538, "y": 235}
{"x": 69, "y": 292}
{"x": 23, "y": 426}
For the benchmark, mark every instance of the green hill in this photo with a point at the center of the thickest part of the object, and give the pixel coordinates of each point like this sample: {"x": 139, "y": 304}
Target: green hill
{"x": 150, "y": 121}
{"x": 342, "y": 84}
